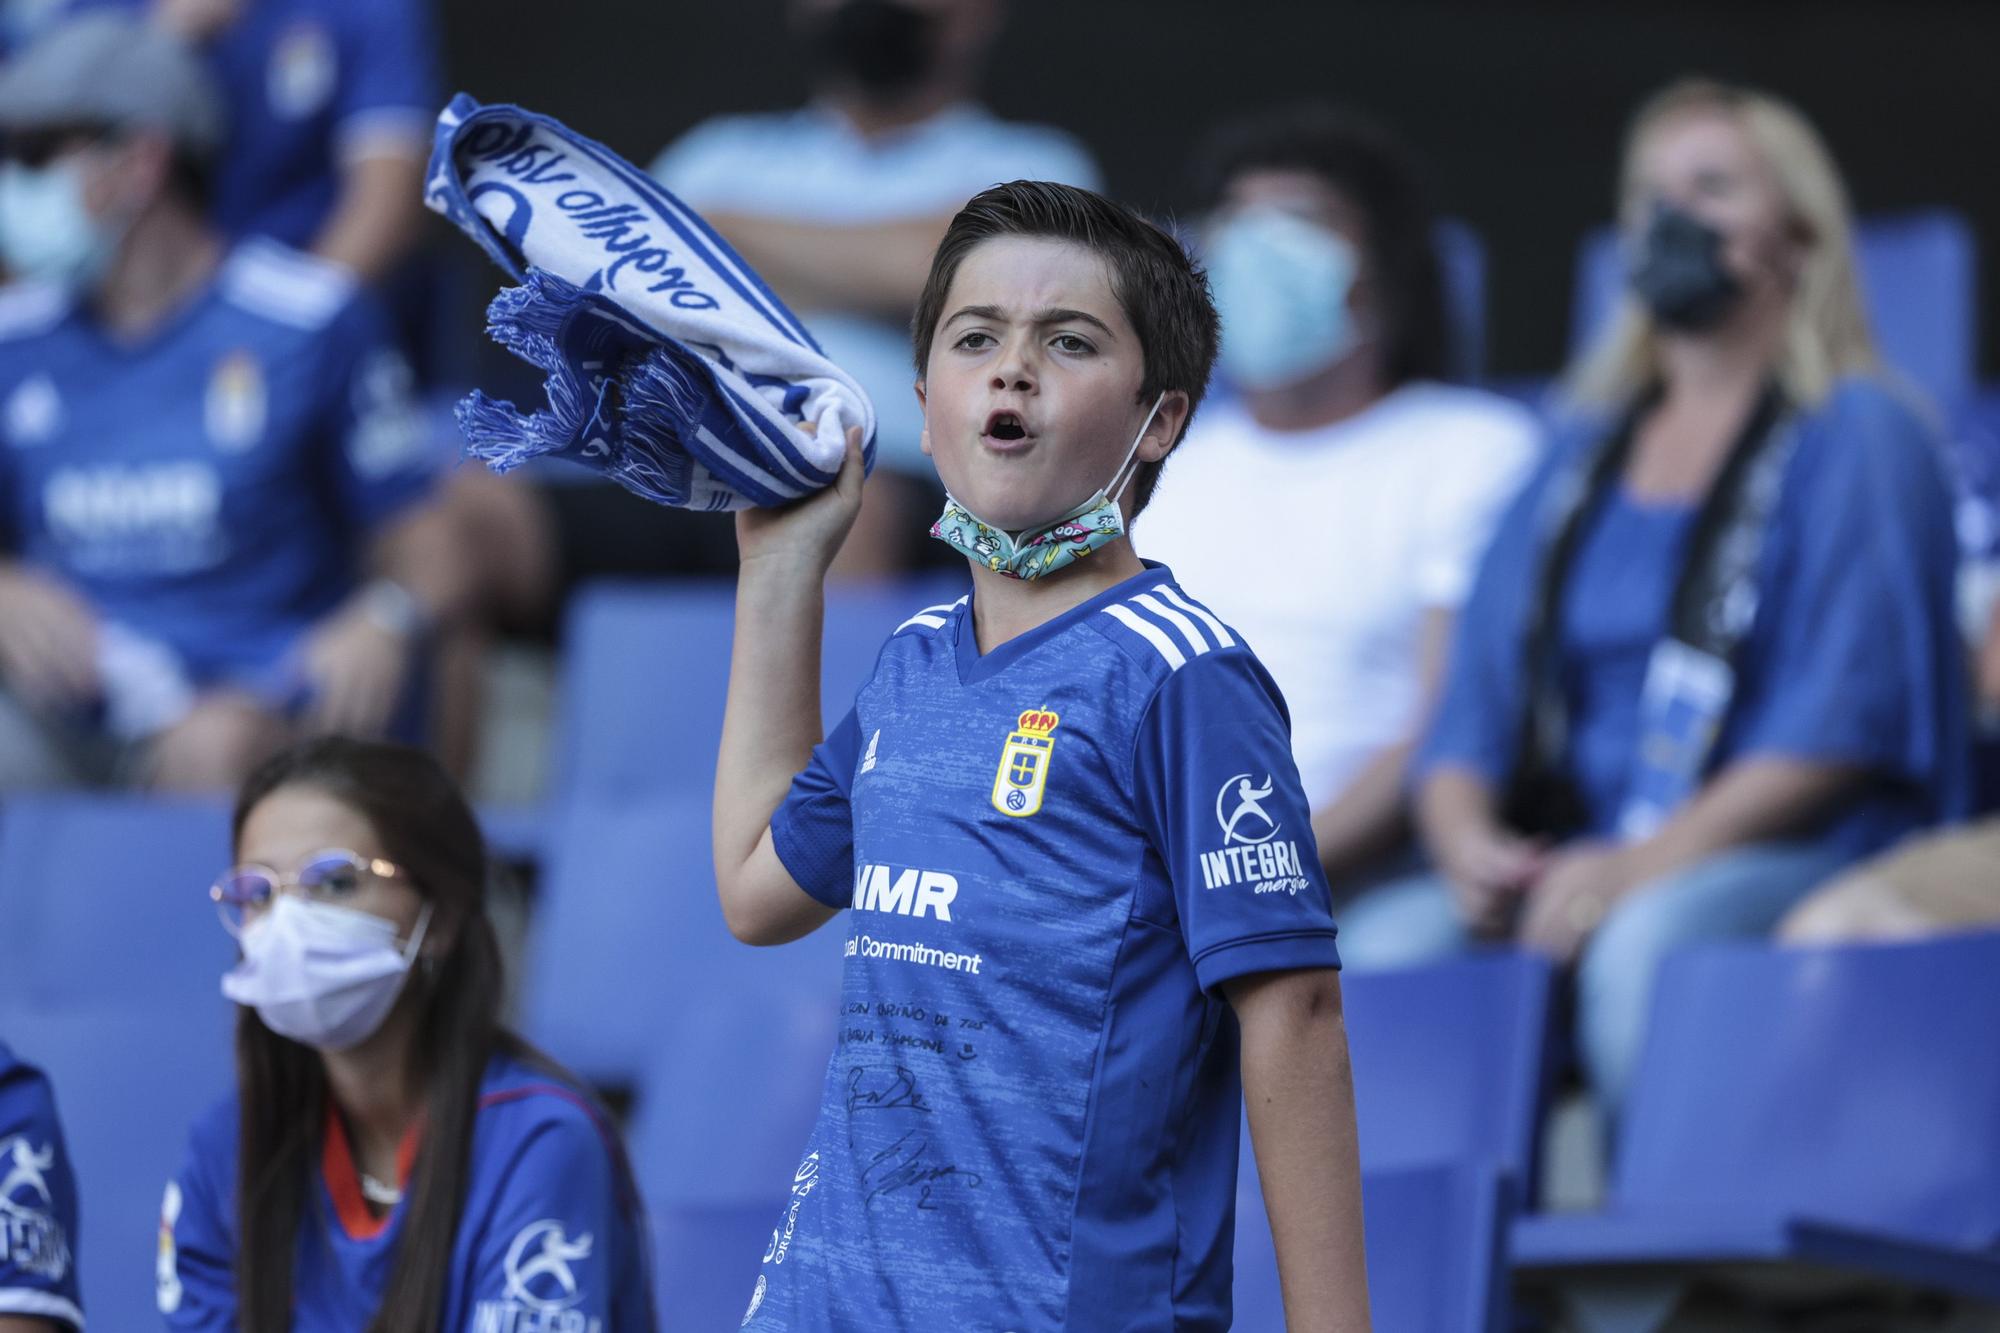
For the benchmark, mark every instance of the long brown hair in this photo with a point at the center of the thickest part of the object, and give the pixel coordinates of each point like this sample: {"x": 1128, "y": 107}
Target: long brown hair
{"x": 427, "y": 828}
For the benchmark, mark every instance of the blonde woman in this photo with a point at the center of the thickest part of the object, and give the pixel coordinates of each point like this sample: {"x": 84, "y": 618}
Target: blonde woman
{"x": 1710, "y": 658}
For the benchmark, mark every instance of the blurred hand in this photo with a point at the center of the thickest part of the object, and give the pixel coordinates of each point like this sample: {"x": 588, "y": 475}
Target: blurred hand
{"x": 48, "y": 640}
{"x": 807, "y": 531}
{"x": 1582, "y": 883}
{"x": 196, "y": 20}
{"x": 357, "y": 667}
{"x": 1489, "y": 868}
{"x": 1989, "y": 663}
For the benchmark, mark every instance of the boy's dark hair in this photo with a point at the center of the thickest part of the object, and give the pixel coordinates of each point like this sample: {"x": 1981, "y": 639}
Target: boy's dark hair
{"x": 1163, "y": 292}
{"x": 1374, "y": 172}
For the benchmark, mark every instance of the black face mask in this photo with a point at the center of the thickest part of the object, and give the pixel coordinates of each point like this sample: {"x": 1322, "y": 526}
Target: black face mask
{"x": 1679, "y": 274}
{"x": 884, "y": 47}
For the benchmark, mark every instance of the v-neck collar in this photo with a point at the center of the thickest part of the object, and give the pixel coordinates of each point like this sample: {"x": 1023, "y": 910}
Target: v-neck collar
{"x": 974, "y": 666}
{"x": 343, "y": 1177}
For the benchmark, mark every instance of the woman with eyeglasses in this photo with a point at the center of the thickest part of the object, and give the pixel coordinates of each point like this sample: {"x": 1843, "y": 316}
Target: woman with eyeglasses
{"x": 393, "y": 1159}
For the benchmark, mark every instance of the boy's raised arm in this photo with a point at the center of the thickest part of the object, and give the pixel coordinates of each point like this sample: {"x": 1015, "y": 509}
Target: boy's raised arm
{"x": 772, "y": 719}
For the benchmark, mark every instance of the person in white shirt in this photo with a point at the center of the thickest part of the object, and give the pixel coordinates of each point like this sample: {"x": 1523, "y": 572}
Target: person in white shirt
{"x": 1340, "y": 451}
{"x": 839, "y": 204}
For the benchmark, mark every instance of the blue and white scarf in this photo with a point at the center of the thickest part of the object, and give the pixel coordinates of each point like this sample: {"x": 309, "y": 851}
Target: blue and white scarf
{"x": 672, "y": 369}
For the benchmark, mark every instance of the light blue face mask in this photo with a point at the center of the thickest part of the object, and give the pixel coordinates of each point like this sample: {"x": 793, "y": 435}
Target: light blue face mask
{"x": 1034, "y": 552}
{"x": 46, "y": 233}
{"x": 1281, "y": 286}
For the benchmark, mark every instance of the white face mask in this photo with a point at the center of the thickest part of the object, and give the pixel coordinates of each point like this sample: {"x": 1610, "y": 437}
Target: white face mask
{"x": 46, "y": 233}
{"x": 325, "y": 976}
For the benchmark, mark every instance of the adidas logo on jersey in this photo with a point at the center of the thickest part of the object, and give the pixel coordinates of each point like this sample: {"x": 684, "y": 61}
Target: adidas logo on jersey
{"x": 907, "y": 892}
{"x": 868, "y": 760}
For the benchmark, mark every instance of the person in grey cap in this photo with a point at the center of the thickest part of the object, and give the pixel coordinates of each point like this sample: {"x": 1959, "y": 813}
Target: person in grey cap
{"x": 217, "y": 517}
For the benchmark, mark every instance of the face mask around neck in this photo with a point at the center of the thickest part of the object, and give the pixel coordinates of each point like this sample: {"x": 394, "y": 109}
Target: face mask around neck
{"x": 1039, "y": 551}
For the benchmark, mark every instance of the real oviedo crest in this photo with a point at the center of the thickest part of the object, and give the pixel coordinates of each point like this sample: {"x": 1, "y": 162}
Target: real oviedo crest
{"x": 1023, "y": 774}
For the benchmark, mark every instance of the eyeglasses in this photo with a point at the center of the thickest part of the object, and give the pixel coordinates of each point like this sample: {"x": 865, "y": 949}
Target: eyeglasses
{"x": 330, "y": 876}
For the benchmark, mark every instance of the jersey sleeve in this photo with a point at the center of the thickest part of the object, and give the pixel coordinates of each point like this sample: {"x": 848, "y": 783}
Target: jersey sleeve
{"x": 556, "y": 1232}
{"x": 381, "y": 456}
{"x": 1855, "y": 660}
{"x": 387, "y": 96}
{"x": 195, "y": 1269}
{"x": 1219, "y": 795}
{"x": 38, "y": 1229}
{"x": 813, "y": 830}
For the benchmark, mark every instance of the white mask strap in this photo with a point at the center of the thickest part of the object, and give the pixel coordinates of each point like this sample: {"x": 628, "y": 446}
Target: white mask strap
{"x": 1123, "y": 478}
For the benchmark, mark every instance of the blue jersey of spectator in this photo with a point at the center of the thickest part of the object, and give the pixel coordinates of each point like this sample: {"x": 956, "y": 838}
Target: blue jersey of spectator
{"x": 206, "y": 487}
{"x": 547, "y": 1238}
{"x": 1056, "y": 854}
{"x": 37, "y": 1202}
{"x": 309, "y": 85}
{"x": 1852, "y": 661}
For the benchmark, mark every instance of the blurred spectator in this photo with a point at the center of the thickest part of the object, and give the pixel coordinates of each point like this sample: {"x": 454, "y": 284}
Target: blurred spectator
{"x": 1710, "y": 657}
{"x": 1345, "y": 447}
{"x": 38, "y": 1206}
{"x": 330, "y": 105}
{"x": 212, "y": 484}
{"x": 840, "y": 204}
{"x": 1935, "y": 883}
{"x": 391, "y": 1157}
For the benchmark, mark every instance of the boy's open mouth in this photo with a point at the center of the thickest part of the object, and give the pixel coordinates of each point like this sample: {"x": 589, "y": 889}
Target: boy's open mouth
{"x": 1006, "y": 426}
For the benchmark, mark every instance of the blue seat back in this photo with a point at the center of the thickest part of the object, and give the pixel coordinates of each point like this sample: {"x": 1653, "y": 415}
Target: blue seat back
{"x": 1450, "y": 1062}
{"x": 1462, "y": 267}
{"x": 627, "y": 911}
{"x": 646, "y": 671}
{"x": 109, "y": 967}
{"x": 1436, "y": 1251}
{"x": 1919, "y": 281}
{"x": 720, "y": 1128}
{"x": 1854, "y": 1085}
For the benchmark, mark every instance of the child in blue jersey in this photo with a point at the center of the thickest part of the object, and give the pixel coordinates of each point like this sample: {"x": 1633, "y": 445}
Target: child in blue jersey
{"x": 1084, "y": 898}
{"x": 38, "y": 1287}
{"x": 392, "y": 1160}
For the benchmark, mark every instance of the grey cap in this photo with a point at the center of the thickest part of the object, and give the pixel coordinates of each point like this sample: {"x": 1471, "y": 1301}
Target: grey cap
{"x": 113, "y": 69}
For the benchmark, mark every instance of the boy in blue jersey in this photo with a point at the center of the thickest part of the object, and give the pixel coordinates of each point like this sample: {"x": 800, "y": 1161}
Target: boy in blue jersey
{"x": 1065, "y": 818}
{"x": 214, "y": 517}
{"x": 38, "y": 1288}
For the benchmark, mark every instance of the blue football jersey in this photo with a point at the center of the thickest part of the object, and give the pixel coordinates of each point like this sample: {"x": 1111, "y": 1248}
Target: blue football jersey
{"x": 207, "y": 487}
{"x": 550, "y": 1238}
{"x": 1053, "y": 854}
{"x": 305, "y": 84}
{"x": 37, "y": 1201}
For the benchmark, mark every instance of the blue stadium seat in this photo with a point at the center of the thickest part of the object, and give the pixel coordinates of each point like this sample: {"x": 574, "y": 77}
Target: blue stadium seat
{"x": 1451, "y": 1062}
{"x": 1919, "y": 278}
{"x": 109, "y": 970}
{"x": 1462, "y": 266}
{"x": 1816, "y": 1113}
{"x": 723, "y": 1117}
{"x": 627, "y": 911}
{"x": 646, "y": 670}
{"x": 1435, "y": 1262}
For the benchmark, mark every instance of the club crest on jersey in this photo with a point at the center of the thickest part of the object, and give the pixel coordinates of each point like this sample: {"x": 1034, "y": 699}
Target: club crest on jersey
{"x": 237, "y": 403}
{"x": 1023, "y": 774}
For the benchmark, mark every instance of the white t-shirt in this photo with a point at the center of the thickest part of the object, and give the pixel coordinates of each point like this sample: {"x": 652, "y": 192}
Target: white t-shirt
{"x": 811, "y": 166}
{"x": 1326, "y": 547}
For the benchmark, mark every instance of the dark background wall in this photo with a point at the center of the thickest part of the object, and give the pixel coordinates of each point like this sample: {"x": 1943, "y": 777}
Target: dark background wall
{"x": 1517, "y": 108}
